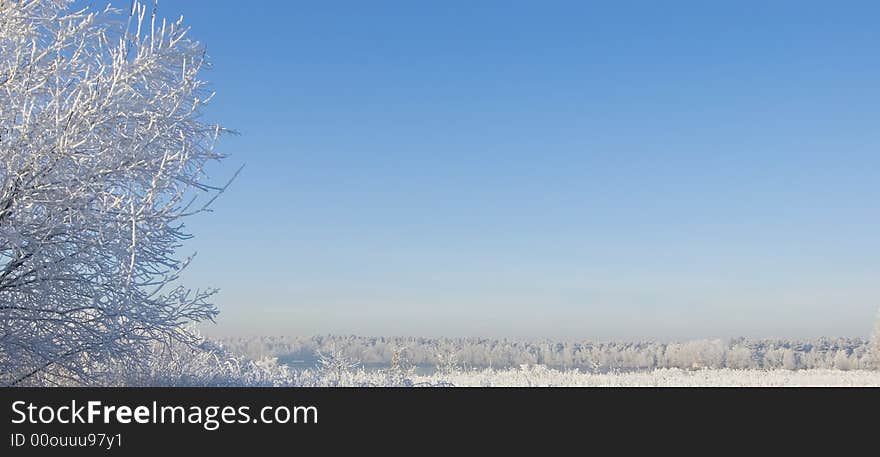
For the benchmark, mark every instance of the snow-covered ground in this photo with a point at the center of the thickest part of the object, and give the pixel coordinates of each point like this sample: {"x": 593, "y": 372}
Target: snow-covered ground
{"x": 539, "y": 376}
{"x": 546, "y": 377}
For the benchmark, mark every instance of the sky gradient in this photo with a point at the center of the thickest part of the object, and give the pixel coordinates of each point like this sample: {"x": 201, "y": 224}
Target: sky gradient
{"x": 614, "y": 170}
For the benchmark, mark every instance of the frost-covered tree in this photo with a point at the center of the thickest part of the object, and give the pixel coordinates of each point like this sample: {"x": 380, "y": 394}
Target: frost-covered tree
{"x": 102, "y": 153}
{"x": 875, "y": 343}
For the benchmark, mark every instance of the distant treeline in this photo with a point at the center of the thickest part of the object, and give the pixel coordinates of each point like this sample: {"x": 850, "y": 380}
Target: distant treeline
{"x": 738, "y": 353}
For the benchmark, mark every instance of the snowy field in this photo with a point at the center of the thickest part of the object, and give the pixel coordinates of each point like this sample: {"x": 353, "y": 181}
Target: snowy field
{"x": 537, "y": 377}
{"x": 546, "y": 377}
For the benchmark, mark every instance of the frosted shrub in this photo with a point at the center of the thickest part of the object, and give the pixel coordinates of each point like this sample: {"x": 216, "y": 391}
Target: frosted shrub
{"x": 447, "y": 362}
{"x": 334, "y": 368}
{"x": 401, "y": 371}
{"x": 875, "y": 344}
{"x": 205, "y": 365}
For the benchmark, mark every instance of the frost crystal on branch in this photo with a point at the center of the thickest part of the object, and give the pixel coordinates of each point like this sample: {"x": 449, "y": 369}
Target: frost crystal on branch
{"x": 102, "y": 154}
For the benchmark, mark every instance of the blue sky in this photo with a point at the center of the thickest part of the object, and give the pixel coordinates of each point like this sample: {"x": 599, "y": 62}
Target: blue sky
{"x": 619, "y": 170}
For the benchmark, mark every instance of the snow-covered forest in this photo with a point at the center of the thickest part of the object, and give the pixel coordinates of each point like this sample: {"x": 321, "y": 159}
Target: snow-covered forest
{"x": 600, "y": 357}
{"x": 214, "y": 365}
